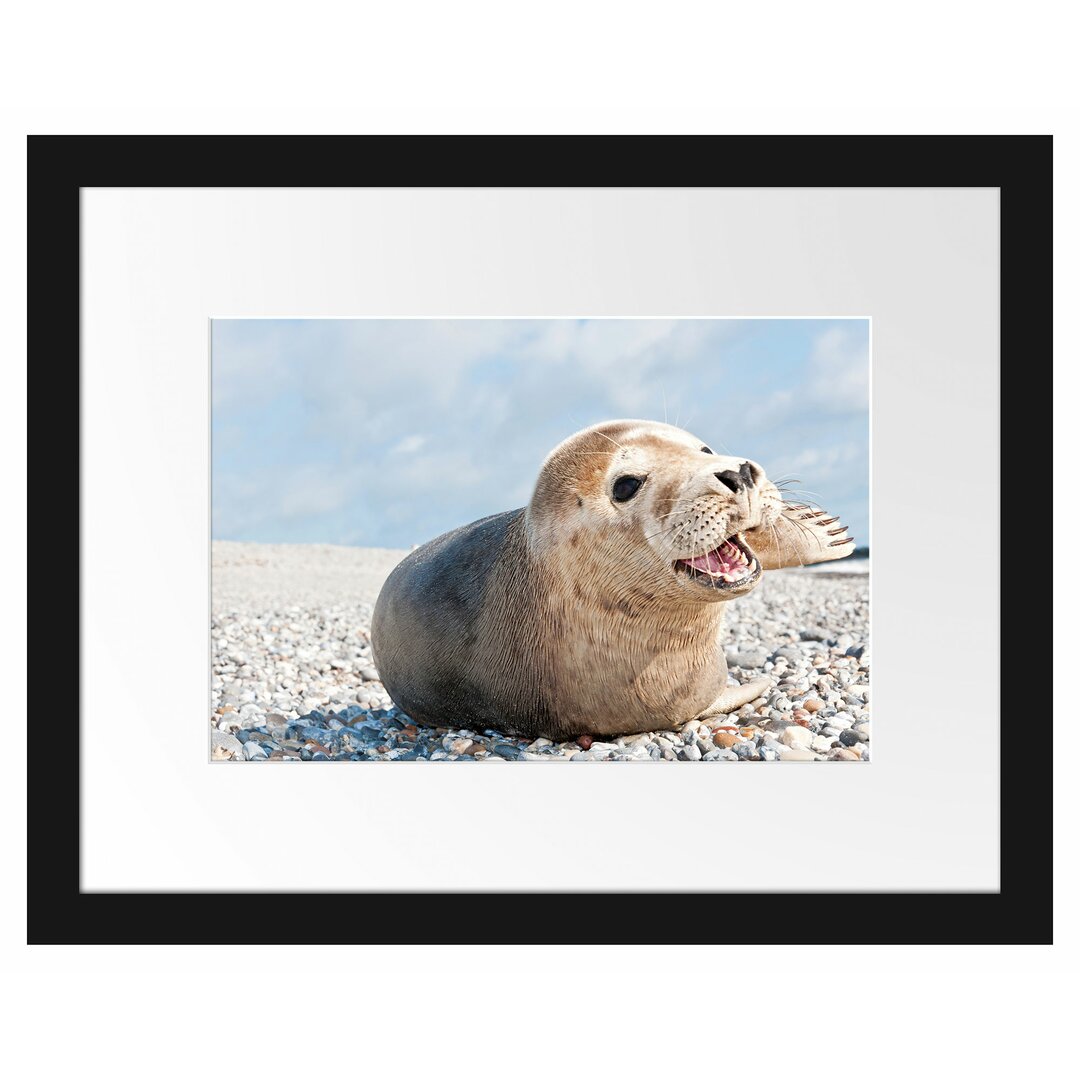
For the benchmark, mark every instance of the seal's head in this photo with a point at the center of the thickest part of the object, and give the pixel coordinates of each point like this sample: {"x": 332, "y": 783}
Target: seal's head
{"x": 653, "y": 514}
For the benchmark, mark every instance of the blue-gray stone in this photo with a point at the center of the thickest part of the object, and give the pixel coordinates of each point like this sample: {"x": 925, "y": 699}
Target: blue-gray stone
{"x": 771, "y": 744}
{"x": 511, "y": 753}
{"x": 720, "y": 754}
{"x": 849, "y": 737}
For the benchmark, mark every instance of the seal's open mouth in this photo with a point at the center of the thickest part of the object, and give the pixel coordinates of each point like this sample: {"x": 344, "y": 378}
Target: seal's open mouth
{"x": 729, "y": 566}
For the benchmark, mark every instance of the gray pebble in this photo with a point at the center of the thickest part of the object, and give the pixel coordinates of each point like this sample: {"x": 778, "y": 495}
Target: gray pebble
{"x": 750, "y": 659}
{"x": 719, "y": 754}
{"x": 777, "y": 723}
{"x": 789, "y": 652}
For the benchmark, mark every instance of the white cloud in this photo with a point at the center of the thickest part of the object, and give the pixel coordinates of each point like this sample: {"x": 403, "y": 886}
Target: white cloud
{"x": 834, "y": 384}
{"x": 839, "y": 377}
{"x": 409, "y": 445}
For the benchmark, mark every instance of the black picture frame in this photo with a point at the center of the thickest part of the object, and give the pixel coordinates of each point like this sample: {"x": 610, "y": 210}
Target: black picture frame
{"x": 60, "y": 166}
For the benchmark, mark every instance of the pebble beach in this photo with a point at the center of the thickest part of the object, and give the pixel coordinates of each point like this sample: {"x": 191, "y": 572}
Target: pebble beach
{"x": 293, "y": 678}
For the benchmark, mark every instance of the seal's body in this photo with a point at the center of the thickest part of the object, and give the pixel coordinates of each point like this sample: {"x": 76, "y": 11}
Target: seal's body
{"x": 598, "y": 607}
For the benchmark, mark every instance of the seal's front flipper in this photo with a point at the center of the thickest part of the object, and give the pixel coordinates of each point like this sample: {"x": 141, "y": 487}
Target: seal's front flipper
{"x": 802, "y": 535}
{"x": 735, "y": 697}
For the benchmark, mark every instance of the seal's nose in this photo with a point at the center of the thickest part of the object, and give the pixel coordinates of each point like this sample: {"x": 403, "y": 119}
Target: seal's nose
{"x": 745, "y": 478}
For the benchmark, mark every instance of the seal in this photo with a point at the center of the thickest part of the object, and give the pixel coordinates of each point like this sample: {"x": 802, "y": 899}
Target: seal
{"x": 598, "y": 608}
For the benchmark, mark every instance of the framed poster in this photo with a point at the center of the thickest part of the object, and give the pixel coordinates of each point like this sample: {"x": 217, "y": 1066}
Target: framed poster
{"x": 942, "y": 247}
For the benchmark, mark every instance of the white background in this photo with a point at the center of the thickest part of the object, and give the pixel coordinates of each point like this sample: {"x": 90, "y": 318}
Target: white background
{"x": 707, "y": 68}
{"x": 922, "y": 263}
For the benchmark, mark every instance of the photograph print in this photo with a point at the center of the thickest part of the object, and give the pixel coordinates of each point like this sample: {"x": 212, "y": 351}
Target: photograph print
{"x": 540, "y": 540}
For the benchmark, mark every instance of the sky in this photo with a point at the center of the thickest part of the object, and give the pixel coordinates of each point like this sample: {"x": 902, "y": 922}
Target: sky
{"x": 388, "y": 432}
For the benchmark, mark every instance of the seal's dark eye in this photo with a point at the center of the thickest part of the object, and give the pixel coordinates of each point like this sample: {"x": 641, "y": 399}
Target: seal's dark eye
{"x": 626, "y": 487}
{"x": 706, "y": 450}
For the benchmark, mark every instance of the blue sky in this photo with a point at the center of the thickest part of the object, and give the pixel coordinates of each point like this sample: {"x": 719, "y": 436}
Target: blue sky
{"x": 387, "y": 432}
